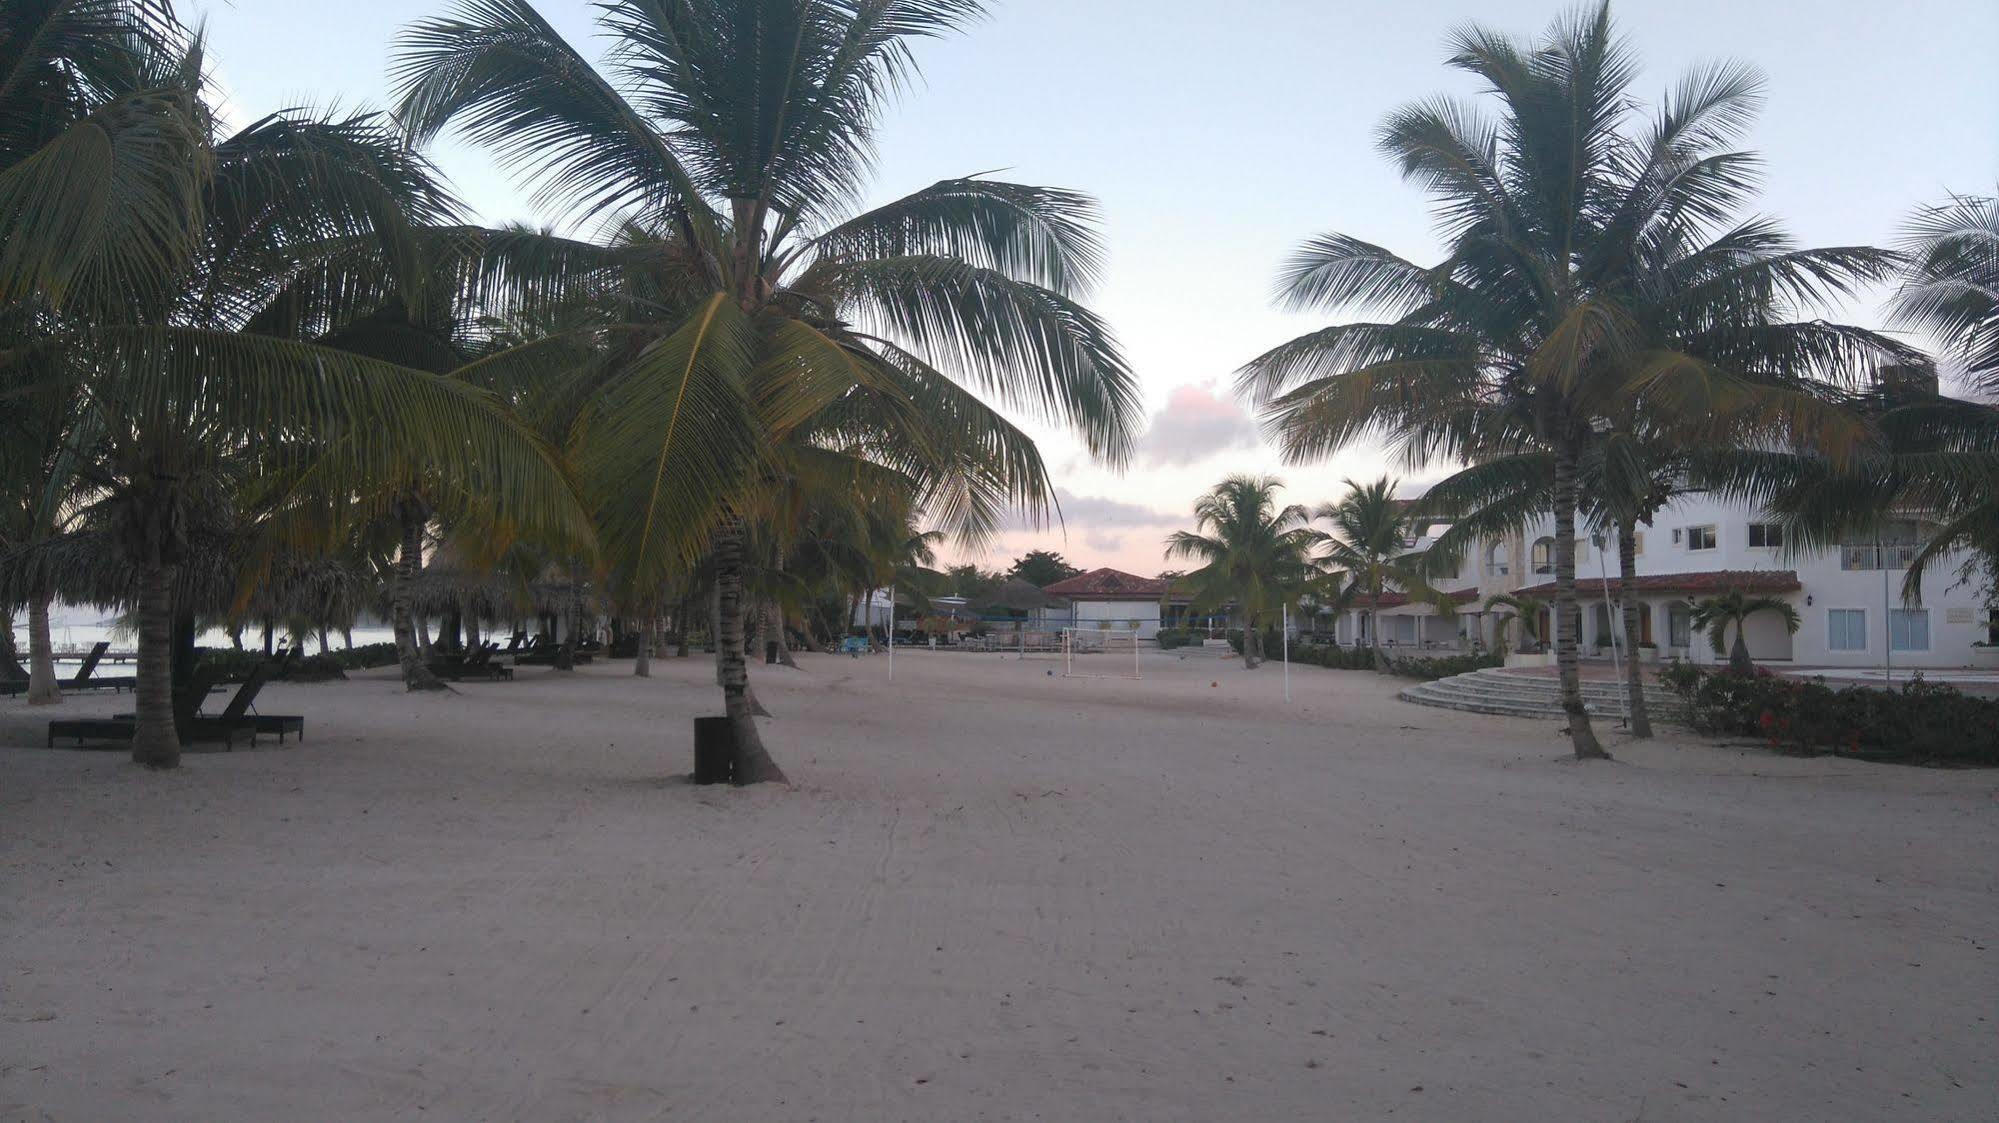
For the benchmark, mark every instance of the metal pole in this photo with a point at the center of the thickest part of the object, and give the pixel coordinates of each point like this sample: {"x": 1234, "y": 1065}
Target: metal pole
{"x": 891, "y": 633}
{"x": 1887, "y": 615}
{"x": 1616, "y": 651}
{"x": 1285, "y": 641}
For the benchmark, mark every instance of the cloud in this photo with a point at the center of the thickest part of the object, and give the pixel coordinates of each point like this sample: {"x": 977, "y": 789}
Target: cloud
{"x": 1197, "y": 423}
{"x": 1096, "y": 512}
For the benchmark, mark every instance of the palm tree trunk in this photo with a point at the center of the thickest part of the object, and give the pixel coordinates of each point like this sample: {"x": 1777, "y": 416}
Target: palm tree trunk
{"x": 753, "y": 764}
{"x": 347, "y": 638}
{"x": 1252, "y": 642}
{"x": 236, "y": 636}
{"x": 416, "y": 675}
{"x": 642, "y": 665}
{"x": 680, "y": 622}
{"x": 1634, "y": 674}
{"x": 10, "y": 656}
{"x": 784, "y": 658}
{"x": 42, "y": 687}
{"x": 1581, "y": 736}
{"x": 155, "y": 741}
{"x": 1739, "y": 662}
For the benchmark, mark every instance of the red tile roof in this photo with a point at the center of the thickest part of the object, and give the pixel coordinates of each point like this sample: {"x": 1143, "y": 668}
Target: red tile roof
{"x": 1397, "y": 600}
{"x": 1712, "y": 581}
{"x": 1109, "y": 584}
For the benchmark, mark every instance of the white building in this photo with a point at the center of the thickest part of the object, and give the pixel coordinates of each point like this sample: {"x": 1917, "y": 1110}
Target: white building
{"x": 1849, "y": 600}
{"x": 1109, "y": 598}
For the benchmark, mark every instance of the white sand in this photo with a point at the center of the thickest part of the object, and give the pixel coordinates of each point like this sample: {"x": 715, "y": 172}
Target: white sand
{"x": 992, "y": 895}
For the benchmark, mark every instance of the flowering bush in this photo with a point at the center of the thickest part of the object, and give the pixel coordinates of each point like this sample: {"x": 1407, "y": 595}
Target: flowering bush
{"x": 1918, "y": 723}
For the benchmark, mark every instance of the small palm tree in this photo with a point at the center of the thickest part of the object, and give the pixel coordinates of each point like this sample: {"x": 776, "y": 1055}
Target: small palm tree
{"x": 1714, "y": 615}
{"x": 1527, "y": 611}
{"x": 1368, "y": 552}
{"x": 1253, "y": 554}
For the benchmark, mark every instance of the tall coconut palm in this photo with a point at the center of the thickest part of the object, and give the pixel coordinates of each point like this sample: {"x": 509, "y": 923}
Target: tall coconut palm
{"x": 735, "y": 136}
{"x": 1952, "y": 286}
{"x": 1594, "y": 272}
{"x": 1714, "y": 615}
{"x": 179, "y": 392}
{"x": 1252, "y": 554}
{"x": 1368, "y": 549}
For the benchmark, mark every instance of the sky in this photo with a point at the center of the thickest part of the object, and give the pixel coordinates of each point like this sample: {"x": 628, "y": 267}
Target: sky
{"x": 1218, "y": 137}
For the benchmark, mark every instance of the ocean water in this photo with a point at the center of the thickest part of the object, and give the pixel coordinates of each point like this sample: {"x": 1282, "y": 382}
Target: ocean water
{"x": 74, "y": 633}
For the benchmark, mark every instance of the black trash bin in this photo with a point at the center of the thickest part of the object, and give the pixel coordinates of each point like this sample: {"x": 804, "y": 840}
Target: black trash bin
{"x": 714, "y": 750}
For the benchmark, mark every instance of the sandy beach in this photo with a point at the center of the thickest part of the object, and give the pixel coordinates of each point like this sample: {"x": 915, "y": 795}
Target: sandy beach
{"x": 992, "y": 894}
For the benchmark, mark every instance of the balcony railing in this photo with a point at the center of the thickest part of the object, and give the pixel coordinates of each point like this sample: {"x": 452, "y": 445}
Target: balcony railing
{"x": 1893, "y": 555}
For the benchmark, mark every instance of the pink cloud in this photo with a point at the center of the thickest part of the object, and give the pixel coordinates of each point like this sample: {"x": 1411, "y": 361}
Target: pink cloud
{"x": 1197, "y": 423}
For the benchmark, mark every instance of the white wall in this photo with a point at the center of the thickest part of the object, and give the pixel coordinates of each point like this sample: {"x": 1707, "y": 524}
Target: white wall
{"x": 1143, "y": 615}
{"x": 1825, "y": 582}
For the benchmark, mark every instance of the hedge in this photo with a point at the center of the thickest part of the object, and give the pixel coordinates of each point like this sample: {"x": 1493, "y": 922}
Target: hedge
{"x": 1358, "y": 658}
{"x": 235, "y": 664}
{"x": 1918, "y": 723}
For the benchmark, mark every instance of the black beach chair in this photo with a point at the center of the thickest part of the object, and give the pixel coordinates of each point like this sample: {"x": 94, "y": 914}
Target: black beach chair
{"x": 80, "y": 681}
{"x": 479, "y": 664}
{"x": 237, "y": 714}
{"x": 188, "y": 722}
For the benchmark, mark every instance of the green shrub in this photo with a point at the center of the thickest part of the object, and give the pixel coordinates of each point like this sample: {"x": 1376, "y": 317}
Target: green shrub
{"x": 1918, "y": 723}
{"x": 1432, "y": 667}
{"x": 233, "y": 665}
{"x": 1359, "y": 658}
{"x": 1170, "y": 638}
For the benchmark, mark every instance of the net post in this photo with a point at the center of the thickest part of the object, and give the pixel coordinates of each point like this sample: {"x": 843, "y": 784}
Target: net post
{"x": 1284, "y": 637}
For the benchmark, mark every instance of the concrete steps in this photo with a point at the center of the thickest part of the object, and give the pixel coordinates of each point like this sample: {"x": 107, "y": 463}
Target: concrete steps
{"x": 1530, "y": 696}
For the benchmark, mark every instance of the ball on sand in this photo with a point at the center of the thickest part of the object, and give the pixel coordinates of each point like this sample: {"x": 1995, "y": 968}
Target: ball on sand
{"x": 1214, "y": 684}
{"x": 1050, "y": 674}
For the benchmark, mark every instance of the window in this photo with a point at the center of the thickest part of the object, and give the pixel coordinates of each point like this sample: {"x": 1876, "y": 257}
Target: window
{"x": 1679, "y": 626}
{"x": 1765, "y": 536}
{"x": 1846, "y": 629}
{"x": 1909, "y": 629}
{"x": 1495, "y": 560}
{"x": 1700, "y": 538}
{"x": 1544, "y": 555}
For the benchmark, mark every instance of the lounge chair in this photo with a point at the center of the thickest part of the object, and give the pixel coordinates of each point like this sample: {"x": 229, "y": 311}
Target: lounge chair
{"x": 79, "y": 681}
{"x": 188, "y": 722}
{"x": 237, "y": 714}
{"x": 479, "y": 664}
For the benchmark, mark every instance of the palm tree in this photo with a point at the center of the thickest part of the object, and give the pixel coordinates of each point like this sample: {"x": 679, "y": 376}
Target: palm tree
{"x": 1952, "y": 286}
{"x": 1592, "y": 282}
{"x": 732, "y": 139}
{"x": 154, "y": 336}
{"x": 1253, "y": 554}
{"x": 1713, "y": 615}
{"x": 1527, "y": 610}
{"x": 1368, "y": 549}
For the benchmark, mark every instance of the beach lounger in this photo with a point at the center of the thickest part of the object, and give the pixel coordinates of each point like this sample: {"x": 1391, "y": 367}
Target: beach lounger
{"x": 479, "y": 664}
{"x": 238, "y": 714}
{"x": 79, "y": 681}
{"x": 188, "y": 722}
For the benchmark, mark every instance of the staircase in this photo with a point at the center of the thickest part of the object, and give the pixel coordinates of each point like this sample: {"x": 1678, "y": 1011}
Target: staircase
{"x": 1516, "y": 694}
